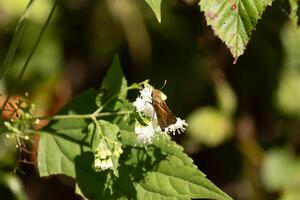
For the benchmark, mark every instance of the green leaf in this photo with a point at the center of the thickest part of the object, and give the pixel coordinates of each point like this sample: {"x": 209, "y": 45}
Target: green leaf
{"x": 167, "y": 146}
{"x": 155, "y": 5}
{"x": 99, "y": 99}
{"x": 114, "y": 81}
{"x": 174, "y": 180}
{"x": 233, "y": 21}
{"x": 61, "y": 141}
{"x": 157, "y": 175}
{"x": 126, "y": 125}
{"x": 96, "y": 135}
{"x": 103, "y": 185}
{"x": 164, "y": 171}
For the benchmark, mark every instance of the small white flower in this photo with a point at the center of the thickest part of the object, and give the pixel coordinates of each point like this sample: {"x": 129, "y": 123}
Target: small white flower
{"x": 144, "y": 107}
{"x": 146, "y": 93}
{"x": 102, "y": 157}
{"x": 106, "y": 164}
{"x": 179, "y": 126}
{"x": 97, "y": 163}
{"x": 143, "y": 102}
{"x": 103, "y": 164}
{"x": 145, "y": 134}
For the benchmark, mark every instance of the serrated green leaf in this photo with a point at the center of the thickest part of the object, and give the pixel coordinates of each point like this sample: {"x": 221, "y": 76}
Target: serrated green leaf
{"x": 163, "y": 171}
{"x": 155, "y": 5}
{"x": 114, "y": 81}
{"x": 174, "y": 180}
{"x": 170, "y": 147}
{"x": 61, "y": 141}
{"x": 233, "y": 21}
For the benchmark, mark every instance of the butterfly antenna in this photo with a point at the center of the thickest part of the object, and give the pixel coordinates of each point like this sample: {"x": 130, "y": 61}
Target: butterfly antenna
{"x": 163, "y": 85}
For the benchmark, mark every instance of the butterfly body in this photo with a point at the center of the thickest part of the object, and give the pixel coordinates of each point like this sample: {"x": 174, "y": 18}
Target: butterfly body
{"x": 164, "y": 115}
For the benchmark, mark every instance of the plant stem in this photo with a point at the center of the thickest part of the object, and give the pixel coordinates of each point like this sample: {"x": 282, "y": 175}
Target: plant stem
{"x": 85, "y": 116}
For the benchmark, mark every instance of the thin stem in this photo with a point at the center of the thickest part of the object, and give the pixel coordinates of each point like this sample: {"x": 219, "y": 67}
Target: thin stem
{"x": 84, "y": 116}
{"x": 30, "y": 55}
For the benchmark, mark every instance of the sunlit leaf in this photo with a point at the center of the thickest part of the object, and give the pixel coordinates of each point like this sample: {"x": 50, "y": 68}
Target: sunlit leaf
{"x": 155, "y": 5}
{"x": 233, "y": 21}
{"x": 167, "y": 183}
{"x": 61, "y": 141}
{"x": 163, "y": 171}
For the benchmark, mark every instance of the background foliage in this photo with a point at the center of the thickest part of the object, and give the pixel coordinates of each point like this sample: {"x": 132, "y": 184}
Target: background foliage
{"x": 243, "y": 118}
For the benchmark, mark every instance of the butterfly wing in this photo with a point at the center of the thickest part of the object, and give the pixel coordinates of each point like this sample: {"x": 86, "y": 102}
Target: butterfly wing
{"x": 164, "y": 115}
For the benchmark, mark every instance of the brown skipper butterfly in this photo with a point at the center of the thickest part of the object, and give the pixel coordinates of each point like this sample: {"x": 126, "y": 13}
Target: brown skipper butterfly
{"x": 164, "y": 115}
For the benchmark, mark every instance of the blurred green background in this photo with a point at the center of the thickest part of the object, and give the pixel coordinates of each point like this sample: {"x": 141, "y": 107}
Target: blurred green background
{"x": 244, "y": 127}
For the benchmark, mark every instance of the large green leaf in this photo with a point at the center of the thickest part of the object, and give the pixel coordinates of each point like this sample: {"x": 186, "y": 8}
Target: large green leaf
{"x": 174, "y": 180}
{"x": 102, "y": 185}
{"x": 61, "y": 141}
{"x": 160, "y": 175}
{"x": 155, "y": 5}
{"x": 233, "y": 21}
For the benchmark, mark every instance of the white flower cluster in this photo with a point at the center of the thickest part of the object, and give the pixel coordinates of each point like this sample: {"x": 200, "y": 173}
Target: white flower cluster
{"x": 102, "y": 160}
{"x": 103, "y": 156}
{"x": 146, "y": 133}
